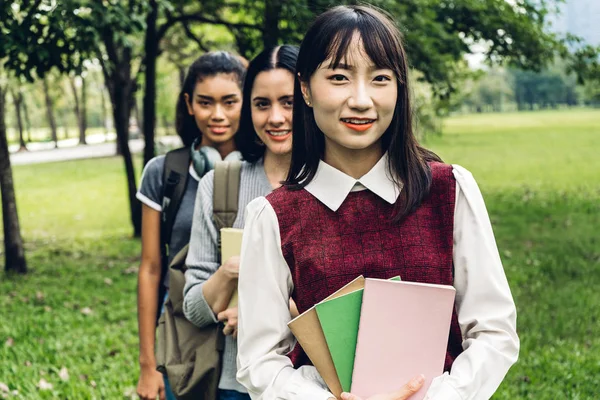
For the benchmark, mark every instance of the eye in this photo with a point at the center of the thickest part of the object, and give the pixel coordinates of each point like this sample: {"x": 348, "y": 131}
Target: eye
{"x": 261, "y": 105}
{"x": 288, "y": 103}
{"x": 382, "y": 78}
{"x": 338, "y": 78}
{"x": 204, "y": 103}
{"x": 230, "y": 102}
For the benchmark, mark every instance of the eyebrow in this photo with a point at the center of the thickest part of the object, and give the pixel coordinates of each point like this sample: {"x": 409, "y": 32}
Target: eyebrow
{"x": 288, "y": 96}
{"x": 351, "y": 67}
{"x": 226, "y": 97}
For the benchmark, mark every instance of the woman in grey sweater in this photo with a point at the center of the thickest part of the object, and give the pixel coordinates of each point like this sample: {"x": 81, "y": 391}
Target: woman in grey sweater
{"x": 265, "y": 140}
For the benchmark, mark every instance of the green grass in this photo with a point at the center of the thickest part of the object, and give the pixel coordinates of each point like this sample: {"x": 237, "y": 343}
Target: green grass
{"x": 539, "y": 175}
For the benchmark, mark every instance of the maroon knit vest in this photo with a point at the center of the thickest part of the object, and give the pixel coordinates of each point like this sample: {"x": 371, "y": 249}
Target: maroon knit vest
{"x": 325, "y": 249}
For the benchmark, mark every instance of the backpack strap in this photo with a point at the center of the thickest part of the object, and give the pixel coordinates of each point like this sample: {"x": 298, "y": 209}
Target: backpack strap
{"x": 175, "y": 176}
{"x": 226, "y": 195}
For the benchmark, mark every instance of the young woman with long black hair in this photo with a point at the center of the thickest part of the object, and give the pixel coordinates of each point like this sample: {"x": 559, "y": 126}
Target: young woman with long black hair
{"x": 364, "y": 198}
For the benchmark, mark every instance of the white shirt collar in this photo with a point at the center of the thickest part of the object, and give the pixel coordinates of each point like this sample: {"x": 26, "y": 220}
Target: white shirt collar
{"x": 331, "y": 186}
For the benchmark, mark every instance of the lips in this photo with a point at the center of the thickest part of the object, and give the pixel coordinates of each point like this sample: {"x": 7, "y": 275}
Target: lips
{"x": 279, "y": 135}
{"x": 358, "y": 124}
{"x": 218, "y": 129}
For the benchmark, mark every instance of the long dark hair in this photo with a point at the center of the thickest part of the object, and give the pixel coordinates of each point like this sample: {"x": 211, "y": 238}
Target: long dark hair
{"x": 246, "y": 140}
{"x": 330, "y": 36}
{"x": 207, "y": 65}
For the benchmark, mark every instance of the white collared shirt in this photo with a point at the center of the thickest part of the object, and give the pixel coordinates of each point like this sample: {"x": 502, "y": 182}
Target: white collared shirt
{"x": 484, "y": 305}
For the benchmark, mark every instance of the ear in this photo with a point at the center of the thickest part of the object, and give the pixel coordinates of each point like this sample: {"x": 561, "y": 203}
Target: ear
{"x": 188, "y": 104}
{"x": 305, "y": 89}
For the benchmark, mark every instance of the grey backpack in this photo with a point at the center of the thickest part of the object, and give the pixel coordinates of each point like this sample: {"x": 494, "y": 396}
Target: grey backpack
{"x": 189, "y": 356}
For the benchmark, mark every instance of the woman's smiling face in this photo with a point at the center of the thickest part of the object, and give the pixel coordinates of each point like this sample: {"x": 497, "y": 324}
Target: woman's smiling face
{"x": 354, "y": 103}
{"x": 271, "y": 104}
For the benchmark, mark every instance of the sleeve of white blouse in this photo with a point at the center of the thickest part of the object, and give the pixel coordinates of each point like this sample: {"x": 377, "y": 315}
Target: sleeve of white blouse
{"x": 265, "y": 284}
{"x": 486, "y": 311}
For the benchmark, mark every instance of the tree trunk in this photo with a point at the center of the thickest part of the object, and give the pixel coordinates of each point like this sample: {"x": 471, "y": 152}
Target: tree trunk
{"x": 65, "y": 122}
{"x": 151, "y": 54}
{"x": 83, "y": 122}
{"x": 27, "y": 120}
{"x": 271, "y": 24}
{"x": 18, "y": 101}
{"x": 137, "y": 116}
{"x": 121, "y": 96}
{"x": 78, "y": 109}
{"x": 104, "y": 116}
{"x": 50, "y": 113}
{"x": 13, "y": 242}
{"x": 166, "y": 125}
{"x": 181, "y": 77}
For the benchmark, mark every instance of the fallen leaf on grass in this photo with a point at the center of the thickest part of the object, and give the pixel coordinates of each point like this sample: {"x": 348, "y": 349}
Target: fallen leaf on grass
{"x": 63, "y": 374}
{"x": 108, "y": 281}
{"x": 39, "y": 295}
{"x": 28, "y": 363}
{"x": 9, "y": 342}
{"x": 131, "y": 270}
{"x": 83, "y": 377}
{"x": 44, "y": 385}
{"x": 4, "y": 387}
{"x": 47, "y": 308}
{"x": 86, "y": 311}
{"x": 93, "y": 384}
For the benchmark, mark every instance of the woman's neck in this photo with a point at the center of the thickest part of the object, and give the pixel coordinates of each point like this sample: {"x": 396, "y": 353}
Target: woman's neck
{"x": 354, "y": 163}
{"x": 276, "y": 167}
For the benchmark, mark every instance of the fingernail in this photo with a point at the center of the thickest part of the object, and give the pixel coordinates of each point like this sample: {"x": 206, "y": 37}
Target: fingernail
{"x": 418, "y": 380}
{"x": 345, "y": 395}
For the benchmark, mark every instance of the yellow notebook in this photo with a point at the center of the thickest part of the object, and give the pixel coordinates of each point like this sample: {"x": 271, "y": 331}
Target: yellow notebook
{"x": 231, "y": 245}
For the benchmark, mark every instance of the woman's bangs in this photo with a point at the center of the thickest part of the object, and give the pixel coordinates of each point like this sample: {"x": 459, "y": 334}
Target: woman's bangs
{"x": 382, "y": 46}
{"x": 338, "y": 47}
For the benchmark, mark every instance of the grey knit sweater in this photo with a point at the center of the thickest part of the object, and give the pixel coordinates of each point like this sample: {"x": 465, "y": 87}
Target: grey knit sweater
{"x": 203, "y": 255}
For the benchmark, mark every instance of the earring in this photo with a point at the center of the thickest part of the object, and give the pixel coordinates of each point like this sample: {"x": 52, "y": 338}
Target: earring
{"x": 308, "y": 103}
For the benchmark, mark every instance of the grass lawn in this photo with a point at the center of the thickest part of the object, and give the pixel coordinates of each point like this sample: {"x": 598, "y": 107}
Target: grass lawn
{"x": 539, "y": 174}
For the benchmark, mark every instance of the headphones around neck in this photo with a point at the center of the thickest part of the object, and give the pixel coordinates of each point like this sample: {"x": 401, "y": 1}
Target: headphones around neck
{"x": 205, "y": 157}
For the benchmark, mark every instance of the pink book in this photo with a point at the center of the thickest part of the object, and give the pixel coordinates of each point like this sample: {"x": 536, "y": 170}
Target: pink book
{"x": 403, "y": 332}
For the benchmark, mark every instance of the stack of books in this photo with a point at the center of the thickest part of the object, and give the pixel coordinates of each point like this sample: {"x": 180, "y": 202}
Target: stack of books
{"x": 374, "y": 335}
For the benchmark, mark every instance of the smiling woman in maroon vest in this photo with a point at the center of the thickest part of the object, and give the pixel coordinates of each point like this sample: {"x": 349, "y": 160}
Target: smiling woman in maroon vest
{"x": 363, "y": 198}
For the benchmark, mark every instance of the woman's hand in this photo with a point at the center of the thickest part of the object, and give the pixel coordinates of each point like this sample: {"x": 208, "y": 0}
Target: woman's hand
{"x": 405, "y": 392}
{"x": 151, "y": 384}
{"x": 231, "y": 267}
{"x": 230, "y": 318}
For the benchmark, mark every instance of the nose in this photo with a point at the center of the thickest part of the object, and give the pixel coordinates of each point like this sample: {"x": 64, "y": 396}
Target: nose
{"x": 218, "y": 114}
{"x": 360, "y": 98}
{"x": 277, "y": 115}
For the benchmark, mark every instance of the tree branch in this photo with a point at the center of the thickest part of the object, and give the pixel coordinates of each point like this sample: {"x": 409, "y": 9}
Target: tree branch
{"x": 199, "y": 18}
{"x": 195, "y": 38}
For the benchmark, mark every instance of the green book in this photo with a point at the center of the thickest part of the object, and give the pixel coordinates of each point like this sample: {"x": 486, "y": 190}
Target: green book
{"x": 339, "y": 319}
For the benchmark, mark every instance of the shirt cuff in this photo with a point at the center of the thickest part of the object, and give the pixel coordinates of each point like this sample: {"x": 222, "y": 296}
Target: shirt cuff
{"x": 441, "y": 389}
{"x": 307, "y": 384}
{"x": 146, "y": 200}
{"x": 196, "y": 309}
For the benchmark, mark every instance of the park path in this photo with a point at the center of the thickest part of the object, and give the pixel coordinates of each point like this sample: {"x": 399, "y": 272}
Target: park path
{"x": 69, "y": 149}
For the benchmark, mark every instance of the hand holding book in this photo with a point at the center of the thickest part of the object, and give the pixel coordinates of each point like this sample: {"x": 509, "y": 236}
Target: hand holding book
{"x": 404, "y": 393}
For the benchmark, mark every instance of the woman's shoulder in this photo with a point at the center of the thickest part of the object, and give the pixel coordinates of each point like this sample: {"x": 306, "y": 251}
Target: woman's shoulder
{"x": 154, "y": 169}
